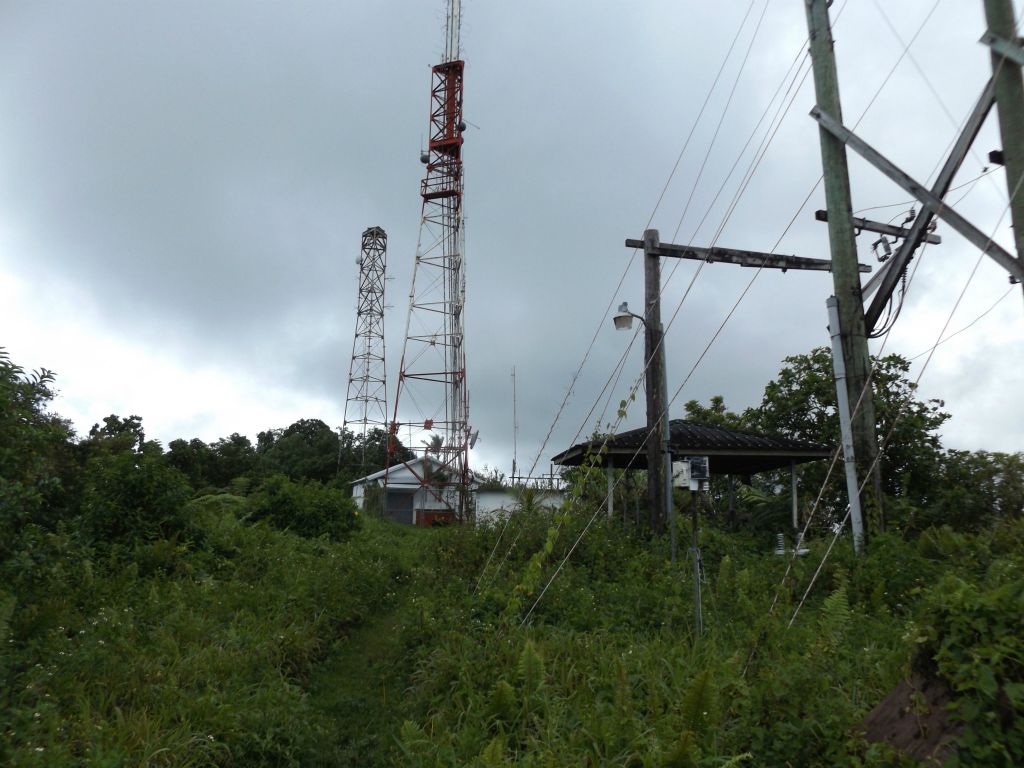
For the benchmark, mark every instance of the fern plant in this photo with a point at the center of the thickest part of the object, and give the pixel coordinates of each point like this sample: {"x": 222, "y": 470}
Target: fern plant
{"x": 531, "y": 670}
{"x": 835, "y": 618}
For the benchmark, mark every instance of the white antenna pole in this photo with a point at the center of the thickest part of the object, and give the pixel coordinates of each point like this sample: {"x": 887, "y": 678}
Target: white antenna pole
{"x": 451, "y": 40}
{"x": 515, "y": 427}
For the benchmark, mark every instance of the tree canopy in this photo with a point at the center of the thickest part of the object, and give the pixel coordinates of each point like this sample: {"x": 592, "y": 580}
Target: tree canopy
{"x": 917, "y": 473}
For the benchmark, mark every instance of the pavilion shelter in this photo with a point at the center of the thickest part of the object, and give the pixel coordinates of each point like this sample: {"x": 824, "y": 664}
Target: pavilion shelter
{"x": 730, "y": 452}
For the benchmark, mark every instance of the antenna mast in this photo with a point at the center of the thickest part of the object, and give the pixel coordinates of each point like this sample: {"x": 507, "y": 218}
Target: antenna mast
{"x": 432, "y": 373}
{"x": 366, "y": 406}
{"x": 515, "y": 426}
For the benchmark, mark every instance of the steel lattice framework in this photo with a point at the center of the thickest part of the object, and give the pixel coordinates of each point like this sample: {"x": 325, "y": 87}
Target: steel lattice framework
{"x": 366, "y": 404}
{"x": 432, "y": 374}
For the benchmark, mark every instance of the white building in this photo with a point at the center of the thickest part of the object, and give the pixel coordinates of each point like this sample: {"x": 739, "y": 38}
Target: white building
{"x": 410, "y": 497}
{"x": 494, "y": 504}
{"x": 413, "y": 501}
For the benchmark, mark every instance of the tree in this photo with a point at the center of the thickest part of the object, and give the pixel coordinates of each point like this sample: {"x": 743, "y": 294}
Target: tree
{"x": 491, "y": 479}
{"x": 132, "y": 497}
{"x": 361, "y": 455}
{"x": 233, "y": 456}
{"x": 308, "y": 449}
{"x": 435, "y": 445}
{"x": 36, "y": 462}
{"x": 974, "y": 489}
{"x": 307, "y": 508}
{"x": 193, "y": 458}
{"x": 715, "y": 414}
{"x": 116, "y": 434}
{"x": 265, "y": 440}
{"x": 801, "y": 404}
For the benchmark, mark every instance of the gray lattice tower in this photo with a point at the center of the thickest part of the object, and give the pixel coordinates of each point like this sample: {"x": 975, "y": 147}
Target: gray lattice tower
{"x": 366, "y": 405}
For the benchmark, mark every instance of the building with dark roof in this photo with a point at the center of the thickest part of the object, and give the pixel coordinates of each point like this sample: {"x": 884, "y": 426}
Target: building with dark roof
{"x": 729, "y": 451}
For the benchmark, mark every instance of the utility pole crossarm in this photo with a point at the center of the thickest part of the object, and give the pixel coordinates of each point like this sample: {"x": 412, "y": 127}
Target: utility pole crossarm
{"x": 755, "y": 259}
{"x": 896, "y": 265}
{"x": 886, "y": 272}
{"x": 882, "y": 229}
{"x": 1005, "y": 48}
{"x": 926, "y": 198}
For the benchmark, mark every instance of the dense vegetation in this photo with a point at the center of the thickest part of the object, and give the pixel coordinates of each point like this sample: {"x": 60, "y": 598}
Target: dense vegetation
{"x": 226, "y": 605}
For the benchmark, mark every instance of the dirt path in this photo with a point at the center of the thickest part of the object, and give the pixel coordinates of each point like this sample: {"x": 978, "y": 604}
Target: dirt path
{"x": 360, "y": 686}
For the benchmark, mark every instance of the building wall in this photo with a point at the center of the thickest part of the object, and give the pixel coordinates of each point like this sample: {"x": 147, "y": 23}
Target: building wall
{"x": 398, "y": 506}
{"x": 407, "y": 505}
{"x": 492, "y": 505}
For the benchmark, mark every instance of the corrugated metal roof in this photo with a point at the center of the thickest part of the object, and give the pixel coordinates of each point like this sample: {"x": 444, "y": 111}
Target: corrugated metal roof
{"x": 732, "y": 451}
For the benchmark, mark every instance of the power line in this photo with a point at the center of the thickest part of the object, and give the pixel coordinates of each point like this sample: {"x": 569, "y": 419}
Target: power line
{"x": 927, "y": 81}
{"x": 966, "y": 327}
{"x": 746, "y": 289}
{"x": 750, "y": 283}
{"x": 755, "y": 164}
{"x": 686, "y": 144}
{"x": 700, "y": 113}
{"x": 721, "y": 119}
{"x": 901, "y": 413}
{"x": 710, "y": 147}
{"x": 915, "y": 201}
{"x": 625, "y": 271}
{"x": 904, "y": 54}
{"x": 929, "y": 352}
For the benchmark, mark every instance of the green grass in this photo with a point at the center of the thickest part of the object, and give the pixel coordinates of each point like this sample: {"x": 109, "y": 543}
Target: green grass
{"x": 360, "y": 687}
{"x": 202, "y": 660}
{"x": 607, "y": 671}
{"x": 251, "y": 646}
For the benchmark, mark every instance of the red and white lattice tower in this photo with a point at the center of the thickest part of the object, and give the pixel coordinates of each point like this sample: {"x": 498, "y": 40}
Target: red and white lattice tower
{"x": 432, "y": 399}
{"x": 366, "y": 406}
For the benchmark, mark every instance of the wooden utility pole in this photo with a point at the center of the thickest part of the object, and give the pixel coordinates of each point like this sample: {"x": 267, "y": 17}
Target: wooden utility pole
{"x": 654, "y": 355}
{"x": 698, "y": 617}
{"x": 843, "y": 246}
{"x": 1009, "y": 90}
{"x": 659, "y": 447}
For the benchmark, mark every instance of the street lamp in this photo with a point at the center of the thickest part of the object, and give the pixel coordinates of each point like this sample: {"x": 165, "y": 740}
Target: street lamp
{"x": 623, "y": 319}
{"x": 657, "y": 409}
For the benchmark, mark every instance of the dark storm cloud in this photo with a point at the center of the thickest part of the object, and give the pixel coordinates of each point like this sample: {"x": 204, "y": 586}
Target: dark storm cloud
{"x": 204, "y": 172}
{"x": 203, "y": 164}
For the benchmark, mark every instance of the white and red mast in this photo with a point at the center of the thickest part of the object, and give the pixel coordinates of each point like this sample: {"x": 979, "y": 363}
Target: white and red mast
{"x": 432, "y": 397}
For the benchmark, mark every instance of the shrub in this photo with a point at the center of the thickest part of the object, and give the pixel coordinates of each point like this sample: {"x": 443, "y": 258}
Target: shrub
{"x": 973, "y": 637}
{"x": 132, "y": 496}
{"x": 309, "y": 508}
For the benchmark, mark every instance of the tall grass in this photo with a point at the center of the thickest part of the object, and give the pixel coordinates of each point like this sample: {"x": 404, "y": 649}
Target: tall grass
{"x": 188, "y": 656}
{"x": 607, "y": 670}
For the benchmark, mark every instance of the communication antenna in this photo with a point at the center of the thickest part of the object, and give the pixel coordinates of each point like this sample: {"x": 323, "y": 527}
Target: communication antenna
{"x": 366, "y": 405}
{"x": 432, "y": 397}
{"x": 515, "y": 426}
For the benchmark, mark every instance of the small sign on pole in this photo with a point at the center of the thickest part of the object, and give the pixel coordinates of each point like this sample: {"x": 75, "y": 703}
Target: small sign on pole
{"x": 680, "y": 474}
{"x": 700, "y": 472}
{"x": 699, "y": 469}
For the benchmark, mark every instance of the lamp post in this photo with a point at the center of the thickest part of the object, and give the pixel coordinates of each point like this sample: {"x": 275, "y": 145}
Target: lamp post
{"x": 659, "y": 468}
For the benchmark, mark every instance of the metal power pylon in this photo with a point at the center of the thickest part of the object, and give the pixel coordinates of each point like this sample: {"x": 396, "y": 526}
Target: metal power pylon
{"x": 366, "y": 405}
{"x": 431, "y": 397}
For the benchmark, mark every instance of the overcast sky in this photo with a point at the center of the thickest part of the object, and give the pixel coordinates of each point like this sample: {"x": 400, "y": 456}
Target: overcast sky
{"x": 183, "y": 186}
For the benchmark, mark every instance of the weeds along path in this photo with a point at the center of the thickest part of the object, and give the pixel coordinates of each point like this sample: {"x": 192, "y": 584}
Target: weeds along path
{"x": 360, "y": 686}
